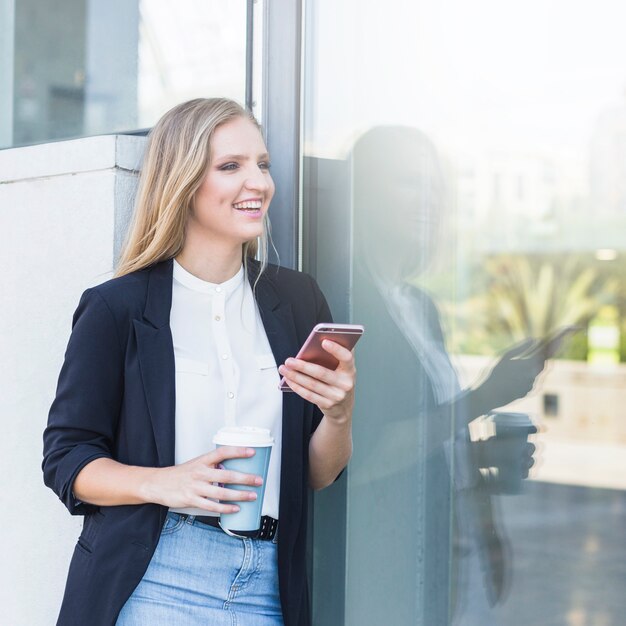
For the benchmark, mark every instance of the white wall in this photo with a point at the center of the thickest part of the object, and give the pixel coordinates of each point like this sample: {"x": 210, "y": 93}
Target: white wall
{"x": 64, "y": 208}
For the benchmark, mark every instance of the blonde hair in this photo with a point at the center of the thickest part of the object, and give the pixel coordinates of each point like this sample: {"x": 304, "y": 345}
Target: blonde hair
{"x": 176, "y": 158}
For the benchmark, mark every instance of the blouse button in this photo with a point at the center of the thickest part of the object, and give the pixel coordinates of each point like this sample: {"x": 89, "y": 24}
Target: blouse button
{"x": 218, "y": 289}
{"x": 217, "y": 318}
{"x": 231, "y": 395}
{"x": 224, "y": 356}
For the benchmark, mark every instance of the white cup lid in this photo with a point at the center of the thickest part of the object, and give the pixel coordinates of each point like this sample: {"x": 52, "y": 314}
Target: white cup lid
{"x": 243, "y": 436}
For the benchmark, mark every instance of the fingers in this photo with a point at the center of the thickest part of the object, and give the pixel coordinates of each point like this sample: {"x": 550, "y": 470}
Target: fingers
{"x": 213, "y": 473}
{"x": 330, "y": 390}
{"x": 221, "y": 500}
{"x": 530, "y": 451}
{"x": 231, "y": 477}
{"x": 323, "y": 402}
{"x": 343, "y": 355}
{"x": 205, "y": 483}
{"x": 342, "y": 377}
{"x": 211, "y": 493}
{"x": 222, "y": 493}
{"x": 528, "y": 461}
{"x": 324, "y": 394}
{"x": 319, "y": 379}
{"x": 318, "y": 384}
{"x": 226, "y": 452}
{"x": 211, "y": 505}
{"x": 212, "y": 470}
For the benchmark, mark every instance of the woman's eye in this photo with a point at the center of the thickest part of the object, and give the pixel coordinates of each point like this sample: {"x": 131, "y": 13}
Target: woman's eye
{"x": 265, "y": 165}
{"x": 229, "y": 166}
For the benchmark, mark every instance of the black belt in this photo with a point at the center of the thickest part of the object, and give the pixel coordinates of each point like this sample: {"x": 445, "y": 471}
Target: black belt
{"x": 267, "y": 532}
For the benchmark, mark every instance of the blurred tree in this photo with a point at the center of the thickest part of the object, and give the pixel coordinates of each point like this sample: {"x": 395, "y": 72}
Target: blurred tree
{"x": 527, "y": 299}
{"x": 520, "y": 296}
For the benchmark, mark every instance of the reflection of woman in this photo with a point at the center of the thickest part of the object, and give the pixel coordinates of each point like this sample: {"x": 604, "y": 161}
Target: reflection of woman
{"x": 422, "y": 445}
{"x": 397, "y": 210}
{"x": 187, "y": 337}
{"x": 398, "y": 198}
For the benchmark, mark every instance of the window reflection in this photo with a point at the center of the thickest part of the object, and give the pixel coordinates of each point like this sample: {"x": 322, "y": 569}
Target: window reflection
{"x": 89, "y": 67}
{"x": 488, "y": 264}
{"x": 399, "y": 218}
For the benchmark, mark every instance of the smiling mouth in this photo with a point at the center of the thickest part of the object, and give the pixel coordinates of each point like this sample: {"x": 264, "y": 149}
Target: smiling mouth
{"x": 251, "y": 205}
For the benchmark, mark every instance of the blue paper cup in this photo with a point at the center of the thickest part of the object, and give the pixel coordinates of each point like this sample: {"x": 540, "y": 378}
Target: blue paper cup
{"x": 249, "y": 515}
{"x": 512, "y": 431}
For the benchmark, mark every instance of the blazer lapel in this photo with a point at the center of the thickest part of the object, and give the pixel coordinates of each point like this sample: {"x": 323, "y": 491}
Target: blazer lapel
{"x": 280, "y": 328}
{"x": 277, "y": 316}
{"x": 155, "y": 352}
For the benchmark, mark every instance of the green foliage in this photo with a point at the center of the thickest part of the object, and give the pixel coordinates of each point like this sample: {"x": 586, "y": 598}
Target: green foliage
{"x": 575, "y": 348}
{"x": 512, "y": 297}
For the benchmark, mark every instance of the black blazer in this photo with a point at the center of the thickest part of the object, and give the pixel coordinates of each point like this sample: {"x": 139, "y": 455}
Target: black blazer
{"x": 115, "y": 398}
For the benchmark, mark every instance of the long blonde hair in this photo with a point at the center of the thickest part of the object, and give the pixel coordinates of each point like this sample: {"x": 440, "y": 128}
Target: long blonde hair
{"x": 176, "y": 158}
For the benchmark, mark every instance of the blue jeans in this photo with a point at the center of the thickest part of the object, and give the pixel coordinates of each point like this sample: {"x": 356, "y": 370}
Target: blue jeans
{"x": 199, "y": 575}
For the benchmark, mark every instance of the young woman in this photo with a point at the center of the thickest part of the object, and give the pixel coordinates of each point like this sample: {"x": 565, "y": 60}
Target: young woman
{"x": 188, "y": 334}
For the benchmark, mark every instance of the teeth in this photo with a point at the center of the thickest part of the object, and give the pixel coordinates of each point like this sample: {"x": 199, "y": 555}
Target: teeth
{"x": 256, "y": 204}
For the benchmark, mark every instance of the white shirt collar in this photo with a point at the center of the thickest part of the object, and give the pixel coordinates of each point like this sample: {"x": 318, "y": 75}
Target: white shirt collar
{"x": 190, "y": 281}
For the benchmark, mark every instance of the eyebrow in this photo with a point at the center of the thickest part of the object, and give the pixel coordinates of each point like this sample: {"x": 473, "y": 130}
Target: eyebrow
{"x": 240, "y": 157}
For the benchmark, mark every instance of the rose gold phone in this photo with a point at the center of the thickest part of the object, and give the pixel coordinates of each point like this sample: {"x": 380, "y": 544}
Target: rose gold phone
{"x": 345, "y": 335}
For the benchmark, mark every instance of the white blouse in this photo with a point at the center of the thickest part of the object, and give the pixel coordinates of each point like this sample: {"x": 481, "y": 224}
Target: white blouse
{"x": 225, "y": 370}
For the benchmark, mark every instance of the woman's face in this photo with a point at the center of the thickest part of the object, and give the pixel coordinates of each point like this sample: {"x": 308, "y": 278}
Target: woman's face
{"x": 237, "y": 188}
{"x": 399, "y": 198}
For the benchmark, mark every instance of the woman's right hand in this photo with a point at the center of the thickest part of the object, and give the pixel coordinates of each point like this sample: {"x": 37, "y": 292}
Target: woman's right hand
{"x": 190, "y": 484}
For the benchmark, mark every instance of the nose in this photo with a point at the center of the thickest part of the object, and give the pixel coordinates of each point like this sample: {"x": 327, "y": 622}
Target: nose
{"x": 258, "y": 180}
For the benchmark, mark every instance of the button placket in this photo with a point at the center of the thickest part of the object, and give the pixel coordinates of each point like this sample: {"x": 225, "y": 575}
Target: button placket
{"x": 224, "y": 350}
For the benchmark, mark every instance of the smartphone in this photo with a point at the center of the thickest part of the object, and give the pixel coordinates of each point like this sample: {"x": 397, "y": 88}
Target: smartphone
{"x": 551, "y": 343}
{"x": 345, "y": 335}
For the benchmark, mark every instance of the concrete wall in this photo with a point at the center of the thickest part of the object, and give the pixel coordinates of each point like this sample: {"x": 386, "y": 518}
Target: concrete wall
{"x": 64, "y": 208}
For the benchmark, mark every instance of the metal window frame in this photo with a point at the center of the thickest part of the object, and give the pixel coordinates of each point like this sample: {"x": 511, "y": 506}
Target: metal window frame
{"x": 280, "y": 108}
{"x": 7, "y": 52}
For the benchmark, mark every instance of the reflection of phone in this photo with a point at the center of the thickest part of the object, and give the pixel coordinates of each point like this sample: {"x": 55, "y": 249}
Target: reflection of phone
{"x": 550, "y": 345}
{"x": 345, "y": 335}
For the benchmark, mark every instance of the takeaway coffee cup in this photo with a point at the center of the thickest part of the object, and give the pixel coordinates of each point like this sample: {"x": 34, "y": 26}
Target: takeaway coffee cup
{"x": 249, "y": 515}
{"x": 511, "y": 435}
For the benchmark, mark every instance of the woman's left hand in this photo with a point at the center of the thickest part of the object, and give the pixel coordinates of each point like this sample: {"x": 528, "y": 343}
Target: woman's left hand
{"x": 331, "y": 390}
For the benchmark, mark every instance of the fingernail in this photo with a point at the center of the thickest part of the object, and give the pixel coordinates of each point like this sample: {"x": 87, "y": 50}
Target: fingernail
{"x": 235, "y": 509}
{"x": 250, "y": 451}
{"x": 258, "y": 480}
{"x": 252, "y": 495}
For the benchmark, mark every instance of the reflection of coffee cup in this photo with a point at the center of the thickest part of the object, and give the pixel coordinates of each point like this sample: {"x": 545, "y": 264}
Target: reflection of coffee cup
{"x": 249, "y": 515}
{"x": 511, "y": 437}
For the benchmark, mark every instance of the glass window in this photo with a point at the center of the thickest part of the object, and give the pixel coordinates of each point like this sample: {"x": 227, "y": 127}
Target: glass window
{"x": 91, "y": 67}
{"x": 474, "y": 156}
